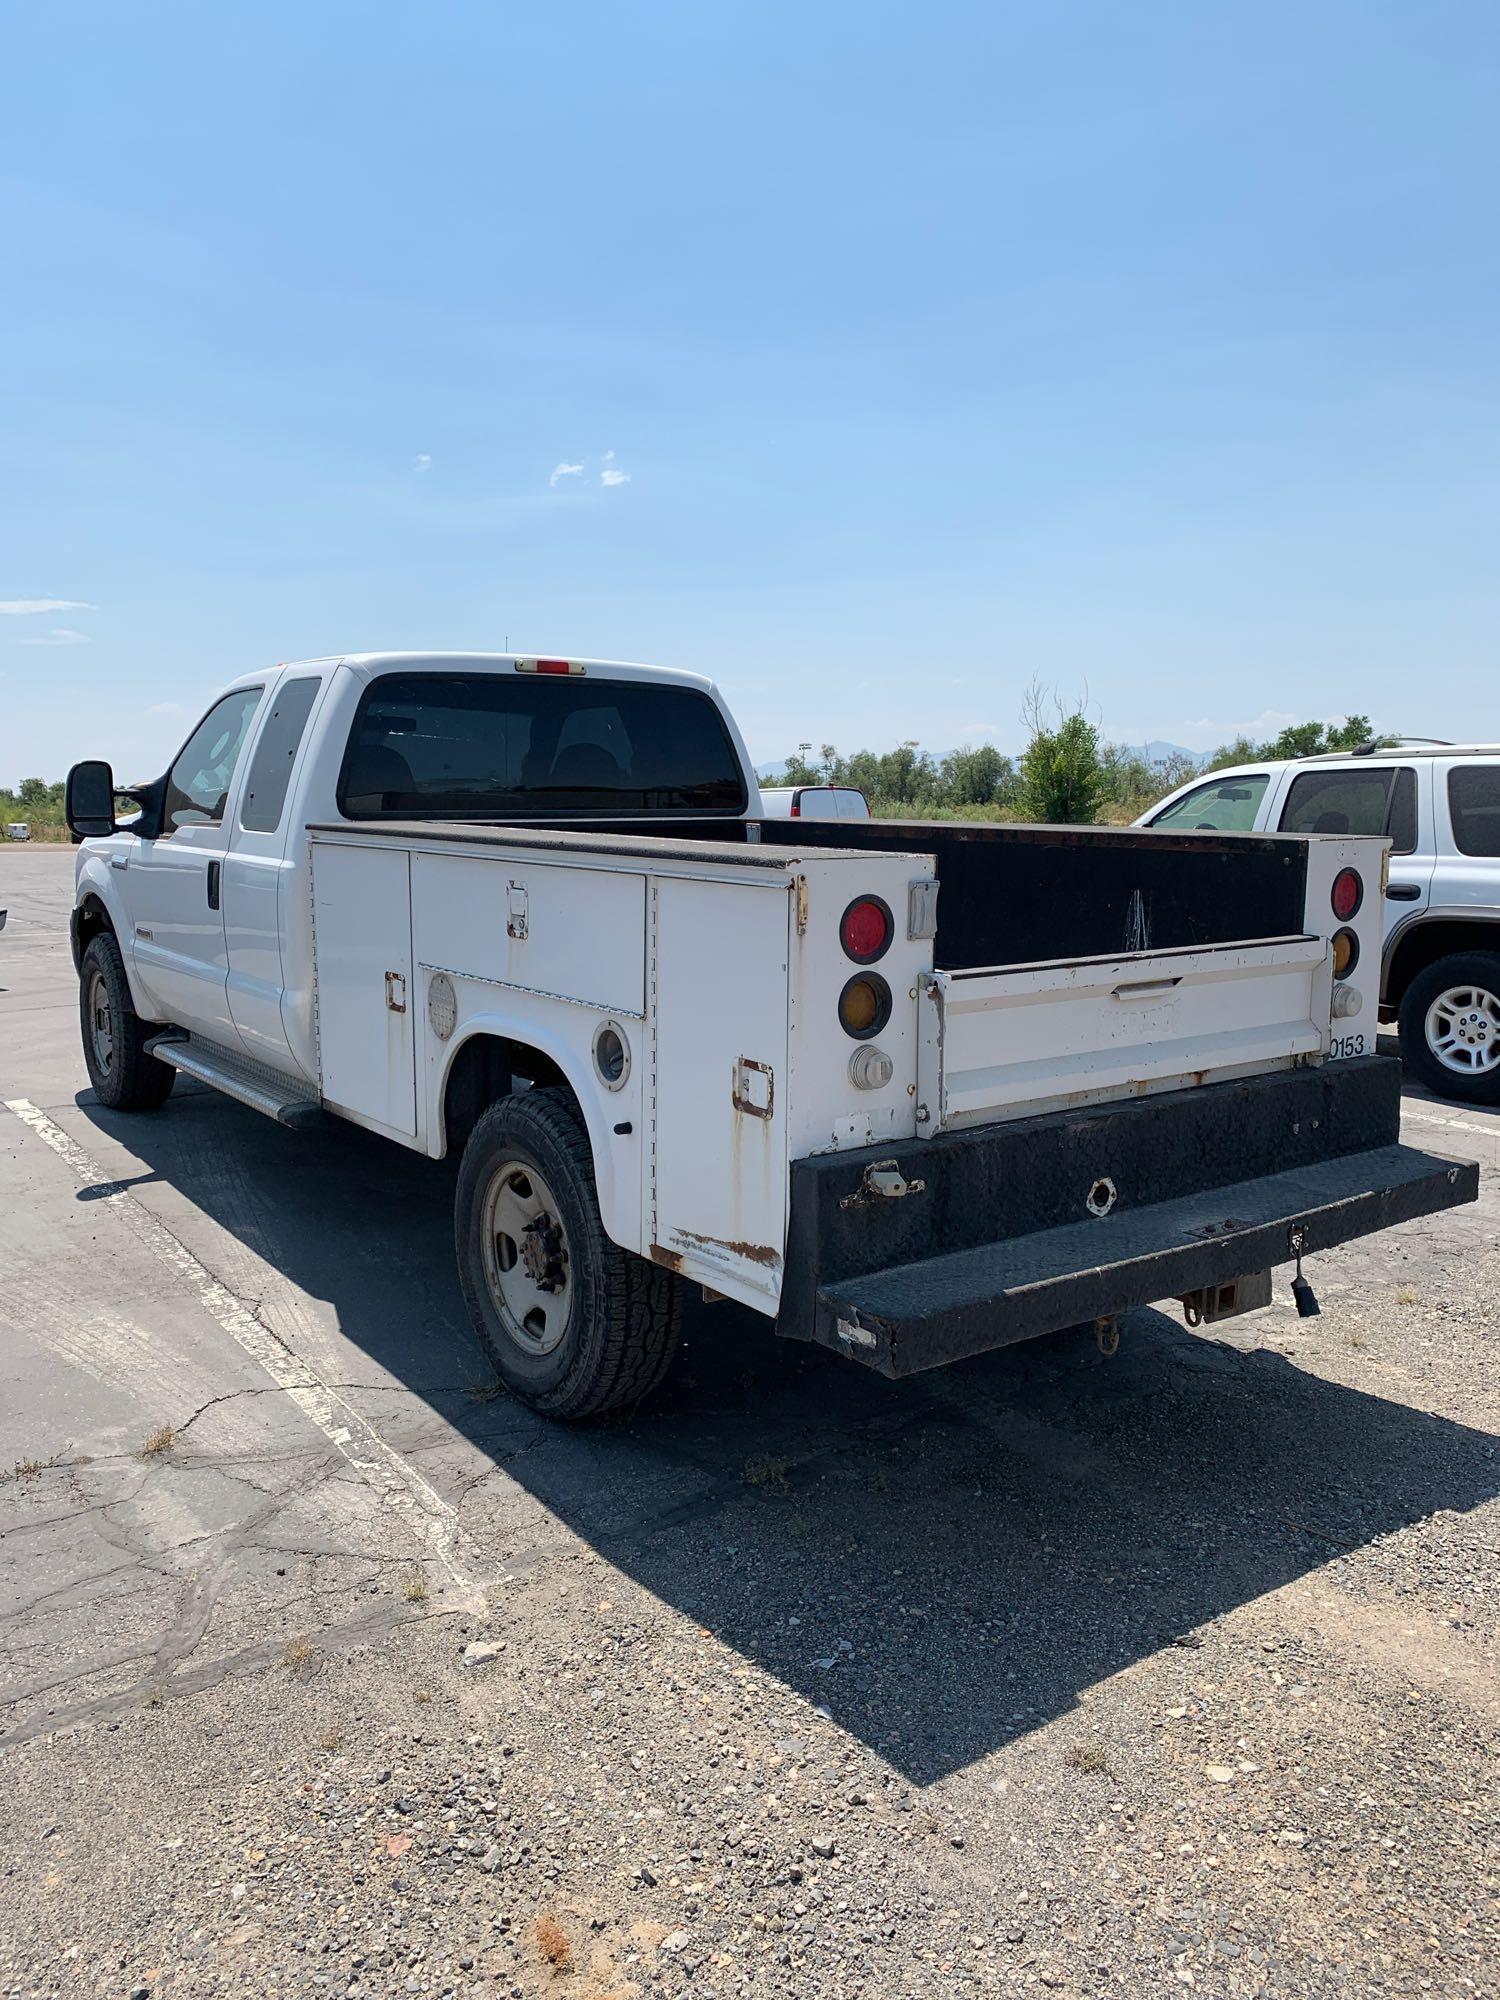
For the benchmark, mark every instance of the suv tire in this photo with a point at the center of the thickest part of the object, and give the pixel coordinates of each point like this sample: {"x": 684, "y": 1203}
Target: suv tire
{"x": 124, "y": 1077}
{"x": 574, "y": 1325}
{"x": 1450, "y": 1027}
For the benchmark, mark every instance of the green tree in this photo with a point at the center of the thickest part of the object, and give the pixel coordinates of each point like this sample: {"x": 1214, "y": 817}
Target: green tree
{"x": 974, "y": 777}
{"x": 1063, "y": 779}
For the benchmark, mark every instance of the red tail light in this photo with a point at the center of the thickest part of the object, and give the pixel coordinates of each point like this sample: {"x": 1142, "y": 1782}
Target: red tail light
{"x": 1348, "y": 894}
{"x": 866, "y": 929}
{"x": 796, "y": 811}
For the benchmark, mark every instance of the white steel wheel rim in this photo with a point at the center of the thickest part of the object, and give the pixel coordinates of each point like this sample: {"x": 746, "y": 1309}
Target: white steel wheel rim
{"x": 101, "y": 1027}
{"x": 527, "y": 1267}
{"x": 1463, "y": 1030}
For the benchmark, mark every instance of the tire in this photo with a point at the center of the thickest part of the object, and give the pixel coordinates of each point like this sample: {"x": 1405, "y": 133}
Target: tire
{"x": 124, "y": 1077}
{"x": 574, "y": 1325}
{"x": 1450, "y": 1027}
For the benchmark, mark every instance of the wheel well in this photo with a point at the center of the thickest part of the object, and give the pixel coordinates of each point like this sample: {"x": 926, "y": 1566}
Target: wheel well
{"x": 89, "y": 919}
{"x": 1425, "y": 943}
{"x": 486, "y": 1068}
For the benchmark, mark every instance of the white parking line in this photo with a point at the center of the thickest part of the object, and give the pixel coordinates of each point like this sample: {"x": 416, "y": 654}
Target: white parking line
{"x": 399, "y": 1485}
{"x": 1451, "y": 1124}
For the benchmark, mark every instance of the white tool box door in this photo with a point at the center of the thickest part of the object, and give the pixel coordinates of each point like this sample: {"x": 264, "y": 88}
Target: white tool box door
{"x": 362, "y": 947}
{"x": 720, "y": 1165}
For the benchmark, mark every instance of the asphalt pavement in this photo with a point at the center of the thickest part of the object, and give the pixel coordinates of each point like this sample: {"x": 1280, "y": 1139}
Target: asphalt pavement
{"x": 329, "y": 1670}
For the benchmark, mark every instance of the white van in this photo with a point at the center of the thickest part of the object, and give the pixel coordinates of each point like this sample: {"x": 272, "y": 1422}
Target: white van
{"x": 814, "y": 802}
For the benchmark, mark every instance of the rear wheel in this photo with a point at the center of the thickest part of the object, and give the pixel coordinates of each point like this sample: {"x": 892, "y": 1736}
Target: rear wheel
{"x": 1450, "y": 1027}
{"x": 124, "y": 1077}
{"x": 574, "y": 1325}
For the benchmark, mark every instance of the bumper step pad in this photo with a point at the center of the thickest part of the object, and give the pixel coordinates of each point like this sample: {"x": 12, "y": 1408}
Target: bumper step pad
{"x": 940, "y": 1309}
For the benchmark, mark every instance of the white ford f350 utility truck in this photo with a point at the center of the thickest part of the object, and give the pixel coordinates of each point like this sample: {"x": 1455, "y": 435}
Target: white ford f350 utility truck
{"x": 912, "y": 1090}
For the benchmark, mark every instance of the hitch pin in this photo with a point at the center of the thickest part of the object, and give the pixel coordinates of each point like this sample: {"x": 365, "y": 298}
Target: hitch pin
{"x": 1302, "y": 1292}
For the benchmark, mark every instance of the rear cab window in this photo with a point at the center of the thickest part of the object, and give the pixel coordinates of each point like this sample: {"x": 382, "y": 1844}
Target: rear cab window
{"x": 1355, "y": 799}
{"x": 276, "y": 752}
{"x": 481, "y": 746}
{"x": 1224, "y": 805}
{"x": 1474, "y": 809}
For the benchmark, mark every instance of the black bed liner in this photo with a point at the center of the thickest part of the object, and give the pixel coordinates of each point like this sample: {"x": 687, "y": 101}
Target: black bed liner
{"x": 1008, "y": 894}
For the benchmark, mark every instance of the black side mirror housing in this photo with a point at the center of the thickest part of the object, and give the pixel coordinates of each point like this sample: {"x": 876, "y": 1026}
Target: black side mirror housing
{"x": 89, "y": 800}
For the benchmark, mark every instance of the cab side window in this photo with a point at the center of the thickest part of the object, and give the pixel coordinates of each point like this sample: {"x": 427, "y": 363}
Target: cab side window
{"x": 1224, "y": 805}
{"x": 271, "y": 767}
{"x": 198, "y": 783}
{"x": 1351, "y": 799}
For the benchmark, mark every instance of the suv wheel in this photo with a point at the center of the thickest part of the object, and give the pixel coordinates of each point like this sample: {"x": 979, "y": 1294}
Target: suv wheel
{"x": 1450, "y": 1027}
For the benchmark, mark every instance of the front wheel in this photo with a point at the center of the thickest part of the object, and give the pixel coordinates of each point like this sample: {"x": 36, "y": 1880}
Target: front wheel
{"x": 124, "y": 1077}
{"x": 1450, "y": 1027}
{"x": 574, "y": 1325}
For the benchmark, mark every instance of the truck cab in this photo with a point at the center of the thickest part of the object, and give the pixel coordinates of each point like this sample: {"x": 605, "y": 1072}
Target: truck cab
{"x": 200, "y": 882}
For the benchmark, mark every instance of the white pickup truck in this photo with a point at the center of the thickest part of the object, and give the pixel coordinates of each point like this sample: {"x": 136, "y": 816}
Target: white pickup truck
{"x": 912, "y": 1090}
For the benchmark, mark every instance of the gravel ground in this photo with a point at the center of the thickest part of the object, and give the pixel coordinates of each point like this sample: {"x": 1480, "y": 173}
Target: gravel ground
{"x": 1045, "y": 1672}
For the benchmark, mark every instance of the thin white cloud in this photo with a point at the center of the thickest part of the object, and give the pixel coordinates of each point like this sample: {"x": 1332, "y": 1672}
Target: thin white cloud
{"x": 166, "y": 708}
{"x": 564, "y": 471}
{"x": 60, "y": 635}
{"x": 29, "y": 607}
{"x": 611, "y": 475}
{"x": 422, "y": 462}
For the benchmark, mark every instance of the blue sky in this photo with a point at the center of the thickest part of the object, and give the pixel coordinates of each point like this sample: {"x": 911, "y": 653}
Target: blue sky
{"x": 1151, "y": 351}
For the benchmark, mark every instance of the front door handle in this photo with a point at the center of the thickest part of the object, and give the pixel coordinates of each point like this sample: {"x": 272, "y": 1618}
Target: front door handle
{"x": 1403, "y": 892}
{"x": 213, "y": 885}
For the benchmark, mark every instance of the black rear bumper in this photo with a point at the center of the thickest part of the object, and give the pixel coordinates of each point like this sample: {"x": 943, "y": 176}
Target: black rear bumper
{"x": 999, "y": 1246}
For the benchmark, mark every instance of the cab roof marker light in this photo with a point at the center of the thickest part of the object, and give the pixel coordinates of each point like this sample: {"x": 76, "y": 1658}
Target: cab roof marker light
{"x": 550, "y": 667}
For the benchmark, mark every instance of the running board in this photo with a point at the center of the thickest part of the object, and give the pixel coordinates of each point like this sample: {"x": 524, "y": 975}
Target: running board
{"x": 252, "y": 1083}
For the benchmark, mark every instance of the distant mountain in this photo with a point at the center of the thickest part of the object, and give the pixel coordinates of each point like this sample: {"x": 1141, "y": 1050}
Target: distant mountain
{"x": 1157, "y": 752}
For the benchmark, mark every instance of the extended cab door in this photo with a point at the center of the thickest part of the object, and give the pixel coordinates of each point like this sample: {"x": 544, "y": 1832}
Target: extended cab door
{"x": 259, "y": 871}
{"x": 174, "y": 884}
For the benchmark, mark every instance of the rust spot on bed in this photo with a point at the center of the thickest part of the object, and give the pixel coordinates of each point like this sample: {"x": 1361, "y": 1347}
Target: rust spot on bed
{"x": 668, "y": 1257}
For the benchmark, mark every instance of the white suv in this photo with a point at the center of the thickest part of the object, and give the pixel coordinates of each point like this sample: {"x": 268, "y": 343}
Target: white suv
{"x": 1440, "y": 806}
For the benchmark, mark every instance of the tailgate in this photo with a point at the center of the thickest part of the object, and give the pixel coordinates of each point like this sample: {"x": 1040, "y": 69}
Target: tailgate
{"x": 1008, "y": 1043}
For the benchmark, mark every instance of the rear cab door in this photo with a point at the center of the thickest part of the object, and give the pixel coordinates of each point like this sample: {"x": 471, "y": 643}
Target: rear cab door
{"x": 261, "y": 864}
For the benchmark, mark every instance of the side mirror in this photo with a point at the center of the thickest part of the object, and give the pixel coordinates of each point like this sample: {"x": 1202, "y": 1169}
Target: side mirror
{"x": 89, "y": 800}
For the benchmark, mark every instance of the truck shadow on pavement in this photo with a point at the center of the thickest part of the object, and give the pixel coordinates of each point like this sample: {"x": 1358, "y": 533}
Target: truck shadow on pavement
{"x": 942, "y": 1564}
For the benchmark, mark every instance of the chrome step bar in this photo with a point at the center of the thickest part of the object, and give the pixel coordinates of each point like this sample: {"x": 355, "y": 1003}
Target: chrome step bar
{"x": 252, "y": 1083}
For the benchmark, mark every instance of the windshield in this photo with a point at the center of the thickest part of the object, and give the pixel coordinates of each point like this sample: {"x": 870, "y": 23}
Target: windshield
{"x": 479, "y": 746}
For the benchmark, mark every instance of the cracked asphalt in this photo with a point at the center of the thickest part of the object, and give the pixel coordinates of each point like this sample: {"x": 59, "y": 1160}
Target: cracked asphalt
{"x": 328, "y": 1670}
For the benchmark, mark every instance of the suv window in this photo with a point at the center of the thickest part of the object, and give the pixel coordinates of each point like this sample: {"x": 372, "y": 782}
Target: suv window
{"x": 475, "y": 746}
{"x": 198, "y": 783}
{"x": 1474, "y": 805}
{"x": 271, "y": 767}
{"x": 1355, "y": 799}
{"x": 1224, "y": 805}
